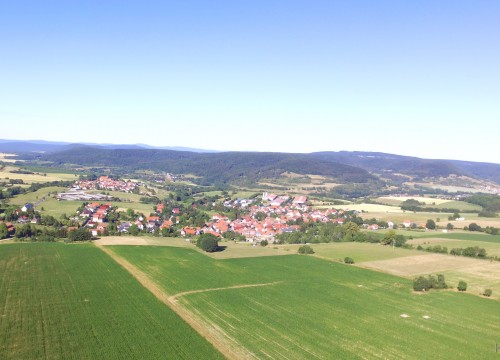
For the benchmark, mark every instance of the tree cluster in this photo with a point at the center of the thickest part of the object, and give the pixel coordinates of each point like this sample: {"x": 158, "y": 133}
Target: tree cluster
{"x": 422, "y": 283}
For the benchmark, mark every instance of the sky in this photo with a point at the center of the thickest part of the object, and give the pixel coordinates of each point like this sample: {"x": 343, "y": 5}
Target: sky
{"x": 418, "y": 78}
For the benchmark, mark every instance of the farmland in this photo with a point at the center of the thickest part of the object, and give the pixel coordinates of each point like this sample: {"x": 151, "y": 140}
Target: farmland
{"x": 36, "y": 177}
{"x": 358, "y": 251}
{"x": 73, "y": 302}
{"x": 305, "y": 307}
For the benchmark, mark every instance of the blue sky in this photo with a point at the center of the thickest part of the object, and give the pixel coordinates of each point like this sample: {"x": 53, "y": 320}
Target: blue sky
{"x": 417, "y": 78}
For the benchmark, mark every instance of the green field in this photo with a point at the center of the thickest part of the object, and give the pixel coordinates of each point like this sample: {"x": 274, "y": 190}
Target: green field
{"x": 57, "y": 208}
{"x": 357, "y": 251}
{"x": 62, "y": 301}
{"x": 312, "y": 308}
{"x": 33, "y": 197}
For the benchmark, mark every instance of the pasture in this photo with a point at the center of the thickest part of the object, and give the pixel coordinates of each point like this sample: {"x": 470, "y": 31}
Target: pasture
{"x": 61, "y": 301}
{"x": 302, "y": 307}
{"x": 33, "y": 197}
{"x": 358, "y": 251}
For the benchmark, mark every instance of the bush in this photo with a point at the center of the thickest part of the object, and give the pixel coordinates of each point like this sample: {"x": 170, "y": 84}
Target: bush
{"x": 349, "y": 260}
{"x": 306, "y": 249}
{"x": 423, "y": 284}
{"x": 462, "y": 286}
{"x": 487, "y": 292}
{"x": 79, "y": 235}
{"x": 264, "y": 243}
{"x": 208, "y": 242}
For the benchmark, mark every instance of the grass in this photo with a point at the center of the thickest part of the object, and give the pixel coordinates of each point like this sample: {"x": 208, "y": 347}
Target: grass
{"x": 492, "y": 247}
{"x": 315, "y": 308}
{"x": 370, "y": 208}
{"x": 62, "y": 301}
{"x": 399, "y": 199}
{"x": 358, "y": 251}
{"x": 460, "y": 205}
{"x": 33, "y": 197}
{"x": 57, "y": 208}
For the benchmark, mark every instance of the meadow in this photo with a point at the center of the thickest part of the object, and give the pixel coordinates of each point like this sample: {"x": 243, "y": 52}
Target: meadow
{"x": 358, "y": 251}
{"x": 33, "y": 197}
{"x": 302, "y": 307}
{"x": 38, "y": 177}
{"x": 61, "y": 301}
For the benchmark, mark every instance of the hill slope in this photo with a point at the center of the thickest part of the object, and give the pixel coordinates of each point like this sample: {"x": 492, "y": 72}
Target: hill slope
{"x": 375, "y": 162}
{"x": 213, "y": 167}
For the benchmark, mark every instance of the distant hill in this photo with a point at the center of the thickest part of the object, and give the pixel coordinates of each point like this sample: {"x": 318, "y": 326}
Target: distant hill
{"x": 42, "y": 146}
{"x": 213, "y": 167}
{"x": 343, "y": 166}
{"x": 381, "y": 163}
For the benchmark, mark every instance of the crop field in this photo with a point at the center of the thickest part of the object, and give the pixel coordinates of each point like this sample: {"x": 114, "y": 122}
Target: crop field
{"x": 231, "y": 249}
{"x": 3, "y": 158}
{"x": 5, "y": 173}
{"x": 370, "y": 208}
{"x": 418, "y": 217}
{"x": 62, "y": 301}
{"x": 302, "y": 307}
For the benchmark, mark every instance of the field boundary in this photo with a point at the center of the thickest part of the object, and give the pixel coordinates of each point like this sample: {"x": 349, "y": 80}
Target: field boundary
{"x": 226, "y": 345}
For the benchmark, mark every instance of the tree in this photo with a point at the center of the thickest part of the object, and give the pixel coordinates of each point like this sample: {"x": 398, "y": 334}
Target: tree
{"x": 462, "y": 286}
{"x": 450, "y": 227}
{"x": 430, "y": 224}
{"x": 4, "y": 232}
{"x": 474, "y": 227}
{"x": 260, "y": 216}
{"x": 208, "y": 242}
{"x": 264, "y": 243}
{"x": 133, "y": 230}
{"x": 350, "y": 229}
{"x": 487, "y": 292}
{"x": 306, "y": 249}
{"x": 348, "y": 260}
{"x": 421, "y": 284}
{"x": 389, "y": 238}
{"x": 79, "y": 235}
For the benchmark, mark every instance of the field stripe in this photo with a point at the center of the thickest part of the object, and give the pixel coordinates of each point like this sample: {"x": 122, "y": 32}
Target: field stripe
{"x": 228, "y": 346}
{"x": 176, "y": 296}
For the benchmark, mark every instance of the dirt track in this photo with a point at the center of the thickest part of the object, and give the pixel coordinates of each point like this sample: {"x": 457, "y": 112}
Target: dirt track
{"x": 229, "y": 347}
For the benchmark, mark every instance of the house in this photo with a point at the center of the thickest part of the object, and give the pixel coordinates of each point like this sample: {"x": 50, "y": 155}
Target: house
{"x": 269, "y": 197}
{"x": 166, "y": 224}
{"x": 11, "y": 229}
{"x": 123, "y": 228}
{"x": 372, "y": 227}
{"x": 27, "y": 207}
{"x": 159, "y": 208}
{"x": 406, "y": 223}
{"x": 299, "y": 200}
{"x": 188, "y": 230}
{"x": 139, "y": 225}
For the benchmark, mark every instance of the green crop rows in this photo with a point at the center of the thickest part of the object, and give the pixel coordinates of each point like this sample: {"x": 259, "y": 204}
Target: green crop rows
{"x": 321, "y": 309}
{"x": 62, "y": 301}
